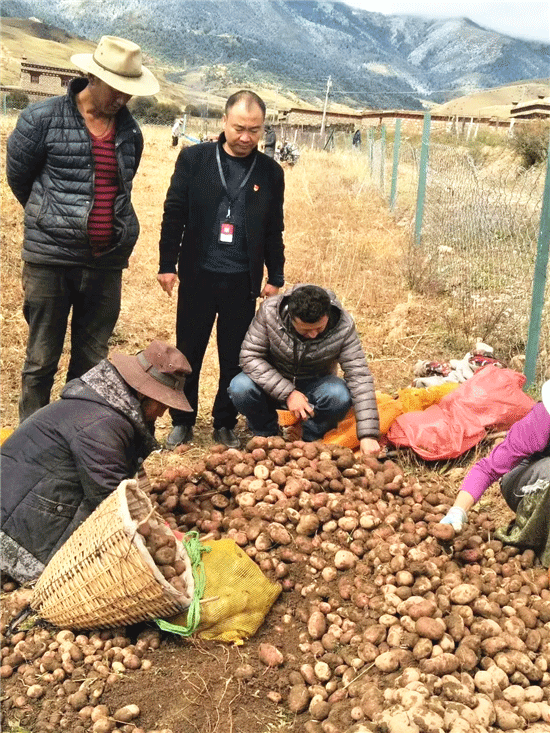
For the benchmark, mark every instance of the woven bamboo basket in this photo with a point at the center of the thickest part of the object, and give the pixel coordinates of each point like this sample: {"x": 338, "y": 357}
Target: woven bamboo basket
{"x": 103, "y": 576}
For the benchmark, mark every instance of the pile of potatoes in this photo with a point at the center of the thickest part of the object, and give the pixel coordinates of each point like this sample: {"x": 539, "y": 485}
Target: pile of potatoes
{"x": 54, "y": 681}
{"x": 160, "y": 542}
{"x": 394, "y": 609}
{"x": 403, "y": 627}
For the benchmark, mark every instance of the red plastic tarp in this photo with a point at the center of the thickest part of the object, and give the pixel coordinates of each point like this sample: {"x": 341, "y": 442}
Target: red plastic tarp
{"x": 492, "y": 398}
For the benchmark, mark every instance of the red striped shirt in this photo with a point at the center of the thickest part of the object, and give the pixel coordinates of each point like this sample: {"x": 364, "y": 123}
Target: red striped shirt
{"x": 100, "y": 220}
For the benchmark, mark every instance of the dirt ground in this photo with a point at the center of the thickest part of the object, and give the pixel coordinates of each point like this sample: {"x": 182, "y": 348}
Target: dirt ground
{"x": 338, "y": 234}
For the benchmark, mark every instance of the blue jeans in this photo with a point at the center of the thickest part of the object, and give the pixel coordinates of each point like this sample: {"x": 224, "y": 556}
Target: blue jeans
{"x": 50, "y": 293}
{"x": 329, "y": 396}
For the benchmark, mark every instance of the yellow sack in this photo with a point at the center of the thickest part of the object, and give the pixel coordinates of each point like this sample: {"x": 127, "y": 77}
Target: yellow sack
{"x": 5, "y": 434}
{"x": 237, "y": 595}
{"x": 413, "y": 399}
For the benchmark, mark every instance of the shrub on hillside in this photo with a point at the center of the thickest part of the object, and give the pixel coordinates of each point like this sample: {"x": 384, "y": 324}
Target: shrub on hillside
{"x": 203, "y": 110}
{"x": 17, "y": 99}
{"x": 530, "y": 141}
{"x": 156, "y": 113}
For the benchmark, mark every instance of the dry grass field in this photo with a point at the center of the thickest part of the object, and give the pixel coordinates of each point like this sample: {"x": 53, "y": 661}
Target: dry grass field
{"x": 338, "y": 234}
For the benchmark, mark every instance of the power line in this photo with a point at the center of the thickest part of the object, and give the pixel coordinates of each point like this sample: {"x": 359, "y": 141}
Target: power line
{"x": 393, "y": 93}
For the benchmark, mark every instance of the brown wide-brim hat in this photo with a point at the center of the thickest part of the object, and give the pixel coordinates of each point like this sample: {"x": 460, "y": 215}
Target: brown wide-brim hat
{"x": 117, "y": 62}
{"x": 157, "y": 372}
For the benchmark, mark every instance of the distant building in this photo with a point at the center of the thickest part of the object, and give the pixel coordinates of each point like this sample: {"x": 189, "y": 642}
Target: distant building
{"x": 45, "y": 81}
{"x": 532, "y": 109}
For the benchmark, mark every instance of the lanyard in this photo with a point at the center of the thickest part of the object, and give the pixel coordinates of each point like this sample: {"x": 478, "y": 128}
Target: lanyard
{"x": 224, "y": 183}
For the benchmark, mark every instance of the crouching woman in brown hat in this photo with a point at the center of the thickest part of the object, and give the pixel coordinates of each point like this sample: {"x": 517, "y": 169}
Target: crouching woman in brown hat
{"x": 61, "y": 462}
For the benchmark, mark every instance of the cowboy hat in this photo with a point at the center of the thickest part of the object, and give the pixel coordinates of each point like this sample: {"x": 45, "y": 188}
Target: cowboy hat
{"x": 157, "y": 372}
{"x": 117, "y": 62}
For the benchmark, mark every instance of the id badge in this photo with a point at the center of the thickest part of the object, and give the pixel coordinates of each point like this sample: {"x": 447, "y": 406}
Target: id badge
{"x": 227, "y": 230}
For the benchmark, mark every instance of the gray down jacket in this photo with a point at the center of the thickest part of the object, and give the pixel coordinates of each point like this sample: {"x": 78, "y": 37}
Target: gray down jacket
{"x": 273, "y": 355}
{"x": 50, "y": 170}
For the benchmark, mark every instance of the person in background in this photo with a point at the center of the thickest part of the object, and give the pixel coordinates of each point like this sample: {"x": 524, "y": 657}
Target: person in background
{"x": 61, "y": 462}
{"x": 177, "y": 131}
{"x": 71, "y": 162}
{"x": 222, "y": 224}
{"x": 357, "y": 139}
{"x": 270, "y": 141}
{"x": 289, "y": 358}
{"x": 521, "y": 463}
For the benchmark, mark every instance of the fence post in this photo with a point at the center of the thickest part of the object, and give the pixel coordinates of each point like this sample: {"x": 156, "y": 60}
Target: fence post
{"x": 539, "y": 283}
{"x": 371, "y": 147}
{"x": 382, "y": 157}
{"x": 421, "y": 195}
{"x": 396, "y": 144}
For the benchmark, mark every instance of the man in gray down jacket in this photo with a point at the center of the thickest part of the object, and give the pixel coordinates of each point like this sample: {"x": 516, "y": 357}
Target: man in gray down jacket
{"x": 61, "y": 462}
{"x": 71, "y": 162}
{"x": 289, "y": 358}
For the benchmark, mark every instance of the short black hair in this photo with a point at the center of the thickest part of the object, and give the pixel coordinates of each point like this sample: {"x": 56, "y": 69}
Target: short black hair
{"x": 251, "y": 99}
{"x": 309, "y": 303}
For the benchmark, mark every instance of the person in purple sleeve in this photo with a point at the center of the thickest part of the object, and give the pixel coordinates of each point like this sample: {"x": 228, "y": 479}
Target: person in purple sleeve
{"x": 521, "y": 462}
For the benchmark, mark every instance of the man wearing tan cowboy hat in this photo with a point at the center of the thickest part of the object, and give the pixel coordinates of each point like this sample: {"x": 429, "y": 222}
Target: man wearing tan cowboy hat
{"x": 71, "y": 161}
{"x": 66, "y": 458}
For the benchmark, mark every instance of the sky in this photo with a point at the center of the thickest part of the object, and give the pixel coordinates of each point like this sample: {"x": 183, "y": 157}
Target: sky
{"x": 529, "y": 19}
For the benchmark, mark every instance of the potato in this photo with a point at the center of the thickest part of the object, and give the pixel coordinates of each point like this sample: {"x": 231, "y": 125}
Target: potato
{"x": 317, "y": 625}
{"x": 442, "y": 532}
{"x": 464, "y": 593}
{"x": 442, "y": 664}
{"x": 318, "y": 708}
{"x": 270, "y": 655}
{"x": 279, "y": 534}
{"x": 387, "y": 661}
{"x": 165, "y": 556}
{"x": 430, "y": 628}
{"x": 344, "y": 560}
{"x": 127, "y": 713}
{"x": 298, "y": 698}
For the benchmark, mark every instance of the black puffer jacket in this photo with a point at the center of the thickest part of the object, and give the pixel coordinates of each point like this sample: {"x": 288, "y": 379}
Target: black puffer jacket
{"x": 50, "y": 171}
{"x": 63, "y": 460}
{"x": 273, "y": 356}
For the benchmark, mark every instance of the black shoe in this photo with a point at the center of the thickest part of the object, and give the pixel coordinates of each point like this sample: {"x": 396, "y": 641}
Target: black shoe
{"x": 227, "y": 437}
{"x": 180, "y": 434}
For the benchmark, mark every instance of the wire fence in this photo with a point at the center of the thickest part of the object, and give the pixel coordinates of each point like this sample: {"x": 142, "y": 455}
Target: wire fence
{"x": 479, "y": 225}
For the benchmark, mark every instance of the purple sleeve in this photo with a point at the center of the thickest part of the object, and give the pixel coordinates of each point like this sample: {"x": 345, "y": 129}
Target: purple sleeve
{"x": 529, "y": 435}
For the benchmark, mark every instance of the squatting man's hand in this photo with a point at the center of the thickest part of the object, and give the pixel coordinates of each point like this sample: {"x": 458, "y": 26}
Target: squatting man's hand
{"x": 269, "y": 290}
{"x": 298, "y": 405}
{"x": 167, "y": 280}
{"x": 369, "y": 447}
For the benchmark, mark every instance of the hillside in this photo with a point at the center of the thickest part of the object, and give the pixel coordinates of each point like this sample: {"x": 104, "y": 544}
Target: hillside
{"x": 41, "y": 43}
{"x": 495, "y": 102}
{"x": 294, "y": 45}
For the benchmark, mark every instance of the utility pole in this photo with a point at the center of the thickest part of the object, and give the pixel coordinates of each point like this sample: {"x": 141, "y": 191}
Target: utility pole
{"x": 276, "y": 115}
{"x": 329, "y": 84}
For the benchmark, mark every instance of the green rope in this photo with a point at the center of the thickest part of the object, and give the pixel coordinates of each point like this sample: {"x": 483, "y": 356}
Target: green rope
{"x": 192, "y": 545}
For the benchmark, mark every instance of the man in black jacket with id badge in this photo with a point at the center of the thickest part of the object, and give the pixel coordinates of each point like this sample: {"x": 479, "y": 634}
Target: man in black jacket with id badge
{"x": 222, "y": 224}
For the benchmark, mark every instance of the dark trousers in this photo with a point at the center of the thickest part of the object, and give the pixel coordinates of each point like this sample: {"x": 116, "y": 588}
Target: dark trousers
{"x": 50, "y": 293}
{"x": 521, "y": 480}
{"x": 200, "y": 300}
{"x": 329, "y": 396}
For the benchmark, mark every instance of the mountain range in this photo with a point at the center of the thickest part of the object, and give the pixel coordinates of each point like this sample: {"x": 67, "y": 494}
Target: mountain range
{"x": 373, "y": 60}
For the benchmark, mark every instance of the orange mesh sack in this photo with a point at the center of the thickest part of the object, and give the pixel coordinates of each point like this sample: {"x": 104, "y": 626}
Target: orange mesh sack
{"x": 237, "y": 595}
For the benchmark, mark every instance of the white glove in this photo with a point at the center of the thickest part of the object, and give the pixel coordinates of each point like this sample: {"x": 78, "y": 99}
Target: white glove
{"x": 456, "y": 517}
